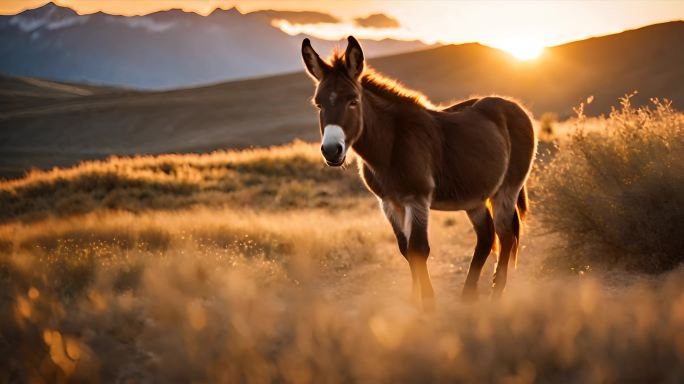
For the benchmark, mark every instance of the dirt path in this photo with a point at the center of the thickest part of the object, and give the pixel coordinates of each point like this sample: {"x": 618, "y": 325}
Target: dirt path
{"x": 452, "y": 247}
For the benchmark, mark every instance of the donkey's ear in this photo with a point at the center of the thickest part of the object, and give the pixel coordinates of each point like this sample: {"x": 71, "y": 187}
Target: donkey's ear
{"x": 314, "y": 65}
{"x": 353, "y": 58}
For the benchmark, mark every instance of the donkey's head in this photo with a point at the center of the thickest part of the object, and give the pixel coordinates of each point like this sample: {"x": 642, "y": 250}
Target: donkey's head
{"x": 338, "y": 98}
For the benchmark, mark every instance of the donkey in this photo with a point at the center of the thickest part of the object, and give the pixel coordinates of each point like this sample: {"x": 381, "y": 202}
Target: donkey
{"x": 473, "y": 156}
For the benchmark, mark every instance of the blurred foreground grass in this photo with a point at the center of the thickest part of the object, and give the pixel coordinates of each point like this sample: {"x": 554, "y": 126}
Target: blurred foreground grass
{"x": 224, "y": 296}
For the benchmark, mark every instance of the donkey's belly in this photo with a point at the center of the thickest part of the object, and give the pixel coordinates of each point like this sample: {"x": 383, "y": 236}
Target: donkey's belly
{"x": 455, "y": 205}
{"x": 447, "y": 197}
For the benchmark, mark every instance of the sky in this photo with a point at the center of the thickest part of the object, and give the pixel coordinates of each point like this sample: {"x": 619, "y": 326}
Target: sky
{"x": 520, "y": 27}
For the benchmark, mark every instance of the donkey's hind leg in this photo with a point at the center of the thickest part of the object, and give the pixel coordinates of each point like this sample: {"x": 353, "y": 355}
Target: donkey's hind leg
{"x": 505, "y": 216}
{"x": 483, "y": 223}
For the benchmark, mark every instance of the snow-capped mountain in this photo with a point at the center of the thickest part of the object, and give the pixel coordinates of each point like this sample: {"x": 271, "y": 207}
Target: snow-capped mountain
{"x": 164, "y": 49}
{"x": 49, "y": 17}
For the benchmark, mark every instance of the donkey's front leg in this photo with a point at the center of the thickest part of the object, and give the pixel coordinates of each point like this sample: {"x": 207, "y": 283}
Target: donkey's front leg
{"x": 395, "y": 215}
{"x": 416, "y": 224}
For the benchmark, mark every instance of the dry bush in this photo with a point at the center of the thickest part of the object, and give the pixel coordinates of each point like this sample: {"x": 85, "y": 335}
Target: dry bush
{"x": 290, "y": 176}
{"x": 547, "y": 123}
{"x": 615, "y": 195}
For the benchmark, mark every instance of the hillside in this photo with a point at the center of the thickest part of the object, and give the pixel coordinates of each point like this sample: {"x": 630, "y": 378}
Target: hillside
{"x": 276, "y": 109}
{"x": 26, "y": 92}
{"x": 648, "y": 60}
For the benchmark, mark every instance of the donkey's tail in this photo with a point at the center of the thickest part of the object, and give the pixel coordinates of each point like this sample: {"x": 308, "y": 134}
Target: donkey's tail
{"x": 521, "y": 209}
{"x": 523, "y": 203}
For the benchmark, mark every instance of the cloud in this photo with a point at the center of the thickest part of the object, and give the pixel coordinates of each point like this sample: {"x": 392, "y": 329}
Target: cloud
{"x": 377, "y": 20}
{"x": 298, "y": 17}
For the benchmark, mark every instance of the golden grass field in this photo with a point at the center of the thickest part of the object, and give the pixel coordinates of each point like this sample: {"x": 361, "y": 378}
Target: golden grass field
{"x": 264, "y": 266}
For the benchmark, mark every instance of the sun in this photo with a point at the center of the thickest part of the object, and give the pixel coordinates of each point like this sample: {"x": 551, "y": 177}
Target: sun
{"x": 522, "y": 49}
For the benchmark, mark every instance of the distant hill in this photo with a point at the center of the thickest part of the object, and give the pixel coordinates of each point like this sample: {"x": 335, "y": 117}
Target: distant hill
{"x": 276, "y": 109}
{"x": 649, "y": 60}
{"x": 161, "y": 50}
{"x": 25, "y": 92}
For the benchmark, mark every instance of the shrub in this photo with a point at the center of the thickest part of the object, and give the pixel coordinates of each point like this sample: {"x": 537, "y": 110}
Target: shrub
{"x": 616, "y": 195}
{"x": 547, "y": 124}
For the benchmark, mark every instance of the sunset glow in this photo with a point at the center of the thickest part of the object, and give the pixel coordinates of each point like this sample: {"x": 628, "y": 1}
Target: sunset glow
{"x": 522, "y": 49}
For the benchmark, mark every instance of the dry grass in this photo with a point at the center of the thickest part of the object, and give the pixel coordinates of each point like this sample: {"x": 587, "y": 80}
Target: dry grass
{"x": 235, "y": 296}
{"x": 616, "y": 194}
{"x": 72, "y": 275}
{"x": 291, "y": 176}
{"x": 201, "y": 283}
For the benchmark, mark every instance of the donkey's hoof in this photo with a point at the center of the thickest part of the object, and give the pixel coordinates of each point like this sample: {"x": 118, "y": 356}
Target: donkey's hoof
{"x": 496, "y": 293}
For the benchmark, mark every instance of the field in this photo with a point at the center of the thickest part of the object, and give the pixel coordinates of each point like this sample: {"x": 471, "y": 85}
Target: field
{"x": 265, "y": 266}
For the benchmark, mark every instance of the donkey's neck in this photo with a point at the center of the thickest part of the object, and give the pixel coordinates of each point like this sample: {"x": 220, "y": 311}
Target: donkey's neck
{"x": 375, "y": 144}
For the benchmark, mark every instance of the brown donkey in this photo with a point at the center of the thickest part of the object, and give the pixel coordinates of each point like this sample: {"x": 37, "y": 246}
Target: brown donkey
{"x": 473, "y": 156}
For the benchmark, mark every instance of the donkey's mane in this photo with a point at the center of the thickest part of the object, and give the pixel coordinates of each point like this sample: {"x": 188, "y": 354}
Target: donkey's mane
{"x": 381, "y": 85}
{"x": 392, "y": 89}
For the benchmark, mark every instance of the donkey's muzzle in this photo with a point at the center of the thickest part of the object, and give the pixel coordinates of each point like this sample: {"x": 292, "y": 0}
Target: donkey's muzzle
{"x": 333, "y": 153}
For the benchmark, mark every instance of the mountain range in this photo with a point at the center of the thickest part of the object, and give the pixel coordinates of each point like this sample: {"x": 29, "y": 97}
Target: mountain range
{"x": 161, "y": 50}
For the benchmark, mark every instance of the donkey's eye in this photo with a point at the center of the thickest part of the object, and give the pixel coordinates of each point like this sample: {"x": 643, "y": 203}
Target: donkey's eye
{"x": 354, "y": 103}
